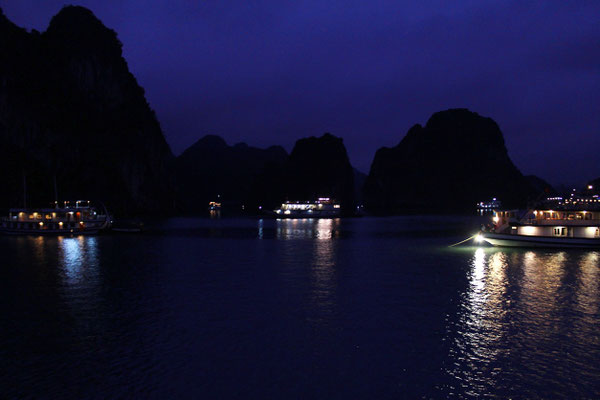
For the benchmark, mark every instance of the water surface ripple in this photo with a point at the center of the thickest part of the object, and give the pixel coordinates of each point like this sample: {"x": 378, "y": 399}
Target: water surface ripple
{"x": 244, "y": 308}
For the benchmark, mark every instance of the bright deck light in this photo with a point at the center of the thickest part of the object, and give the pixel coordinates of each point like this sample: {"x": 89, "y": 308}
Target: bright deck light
{"x": 479, "y": 238}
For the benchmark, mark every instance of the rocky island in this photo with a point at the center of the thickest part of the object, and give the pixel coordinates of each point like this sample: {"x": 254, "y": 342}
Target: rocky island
{"x": 74, "y": 120}
{"x": 455, "y": 160}
{"x": 72, "y": 112}
{"x": 238, "y": 175}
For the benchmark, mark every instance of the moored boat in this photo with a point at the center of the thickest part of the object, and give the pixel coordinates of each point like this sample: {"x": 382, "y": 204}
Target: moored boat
{"x": 324, "y": 207}
{"x": 72, "y": 218}
{"x": 571, "y": 222}
{"x": 491, "y": 205}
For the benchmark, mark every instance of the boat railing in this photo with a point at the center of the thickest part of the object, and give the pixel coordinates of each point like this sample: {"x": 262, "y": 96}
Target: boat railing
{"x": 554, "y": 222}
{"x": 91, "y": 218}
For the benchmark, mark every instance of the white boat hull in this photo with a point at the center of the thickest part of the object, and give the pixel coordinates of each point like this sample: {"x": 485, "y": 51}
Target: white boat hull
{"x": 508, "y": 240}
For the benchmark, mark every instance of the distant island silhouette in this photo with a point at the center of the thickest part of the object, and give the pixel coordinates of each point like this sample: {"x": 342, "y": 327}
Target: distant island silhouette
{"x": 72, "y": 113}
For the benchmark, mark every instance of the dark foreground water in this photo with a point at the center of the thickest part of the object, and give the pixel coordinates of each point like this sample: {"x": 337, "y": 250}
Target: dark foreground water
{"x": 358, "y": 308}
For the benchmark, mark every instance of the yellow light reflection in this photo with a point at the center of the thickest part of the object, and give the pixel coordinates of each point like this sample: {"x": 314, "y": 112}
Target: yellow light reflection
{"x": 517, "y": 300}
{"x": 587, "y": 291}
{"x": 307, "y": 228}
{"x": 543, "y": 274}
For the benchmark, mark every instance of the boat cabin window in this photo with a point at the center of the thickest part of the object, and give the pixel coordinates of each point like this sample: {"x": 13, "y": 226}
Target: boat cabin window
{"x": 550, "y": 215}
{"x": 559, "y": 231}
{"x": 588, "y": 215}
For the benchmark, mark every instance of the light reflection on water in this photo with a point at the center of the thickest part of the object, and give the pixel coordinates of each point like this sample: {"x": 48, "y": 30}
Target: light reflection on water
{"x": 78, "y": 259}
{"x": 321, "y": 266}
{"x": 359, "y": 312}
{"x": 514, "y": 303}
{"x": 307, "y": 228}
{"x": 480, "y": 328}
{"x": 588, "y": 281}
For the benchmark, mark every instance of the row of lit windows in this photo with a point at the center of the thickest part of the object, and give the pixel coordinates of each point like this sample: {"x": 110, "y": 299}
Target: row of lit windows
{"x": 564, "y": 215}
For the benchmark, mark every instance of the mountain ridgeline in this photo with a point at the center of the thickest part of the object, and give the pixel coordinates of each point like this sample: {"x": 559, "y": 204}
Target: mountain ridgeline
{"x": 72, "y": 113}
{"x": 457, "y": 159}
{"x": 74, "y": 120}
{"x": 241, "y": 175}
{"x": 237, "y": 176}
{"x": 319, "y": 167}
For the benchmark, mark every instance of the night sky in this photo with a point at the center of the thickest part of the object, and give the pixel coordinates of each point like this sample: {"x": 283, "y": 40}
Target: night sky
{"x": 270, "y": 72}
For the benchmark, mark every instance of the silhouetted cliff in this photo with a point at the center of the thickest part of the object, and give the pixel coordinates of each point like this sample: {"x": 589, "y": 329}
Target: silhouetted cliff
{"x": 540, "y": 186}
{"x": 455, "y": 160}
{"x": 239, "y": 174}
{"x": 210, "y": 170}
{"x": 319, "y": 167}
{"x": 70, "y": 109}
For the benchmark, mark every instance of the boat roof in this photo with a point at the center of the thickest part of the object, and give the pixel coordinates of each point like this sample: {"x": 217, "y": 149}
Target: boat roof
{"x": 321, "y": 200}
{"x": 49, "y": 210}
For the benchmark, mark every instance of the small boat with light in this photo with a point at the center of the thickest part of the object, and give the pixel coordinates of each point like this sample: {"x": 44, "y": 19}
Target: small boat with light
{"x": 214, "y": 206}
{"x": 71, "y": 218}
{"x": 570, "y": 222}
{"x": 324, "y": 207}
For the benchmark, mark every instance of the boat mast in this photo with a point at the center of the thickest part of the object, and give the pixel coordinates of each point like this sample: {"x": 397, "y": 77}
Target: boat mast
{"x": 24, "y": 190}
{"x": 55, "y": 193}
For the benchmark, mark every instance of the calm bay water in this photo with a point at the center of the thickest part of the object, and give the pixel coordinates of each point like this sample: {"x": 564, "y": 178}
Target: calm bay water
{"x": 243, "y": 308}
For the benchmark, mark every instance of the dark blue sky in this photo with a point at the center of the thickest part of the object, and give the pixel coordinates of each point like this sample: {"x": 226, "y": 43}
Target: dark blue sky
{"x": 271, "y": 72}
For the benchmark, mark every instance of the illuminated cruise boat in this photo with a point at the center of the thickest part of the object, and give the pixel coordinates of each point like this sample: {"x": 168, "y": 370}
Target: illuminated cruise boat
{"x": 73, "y": 218}
{"x": 324, "y": 207}
{"x": 558, "y": 222}
{"x": 489, "y": 205}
